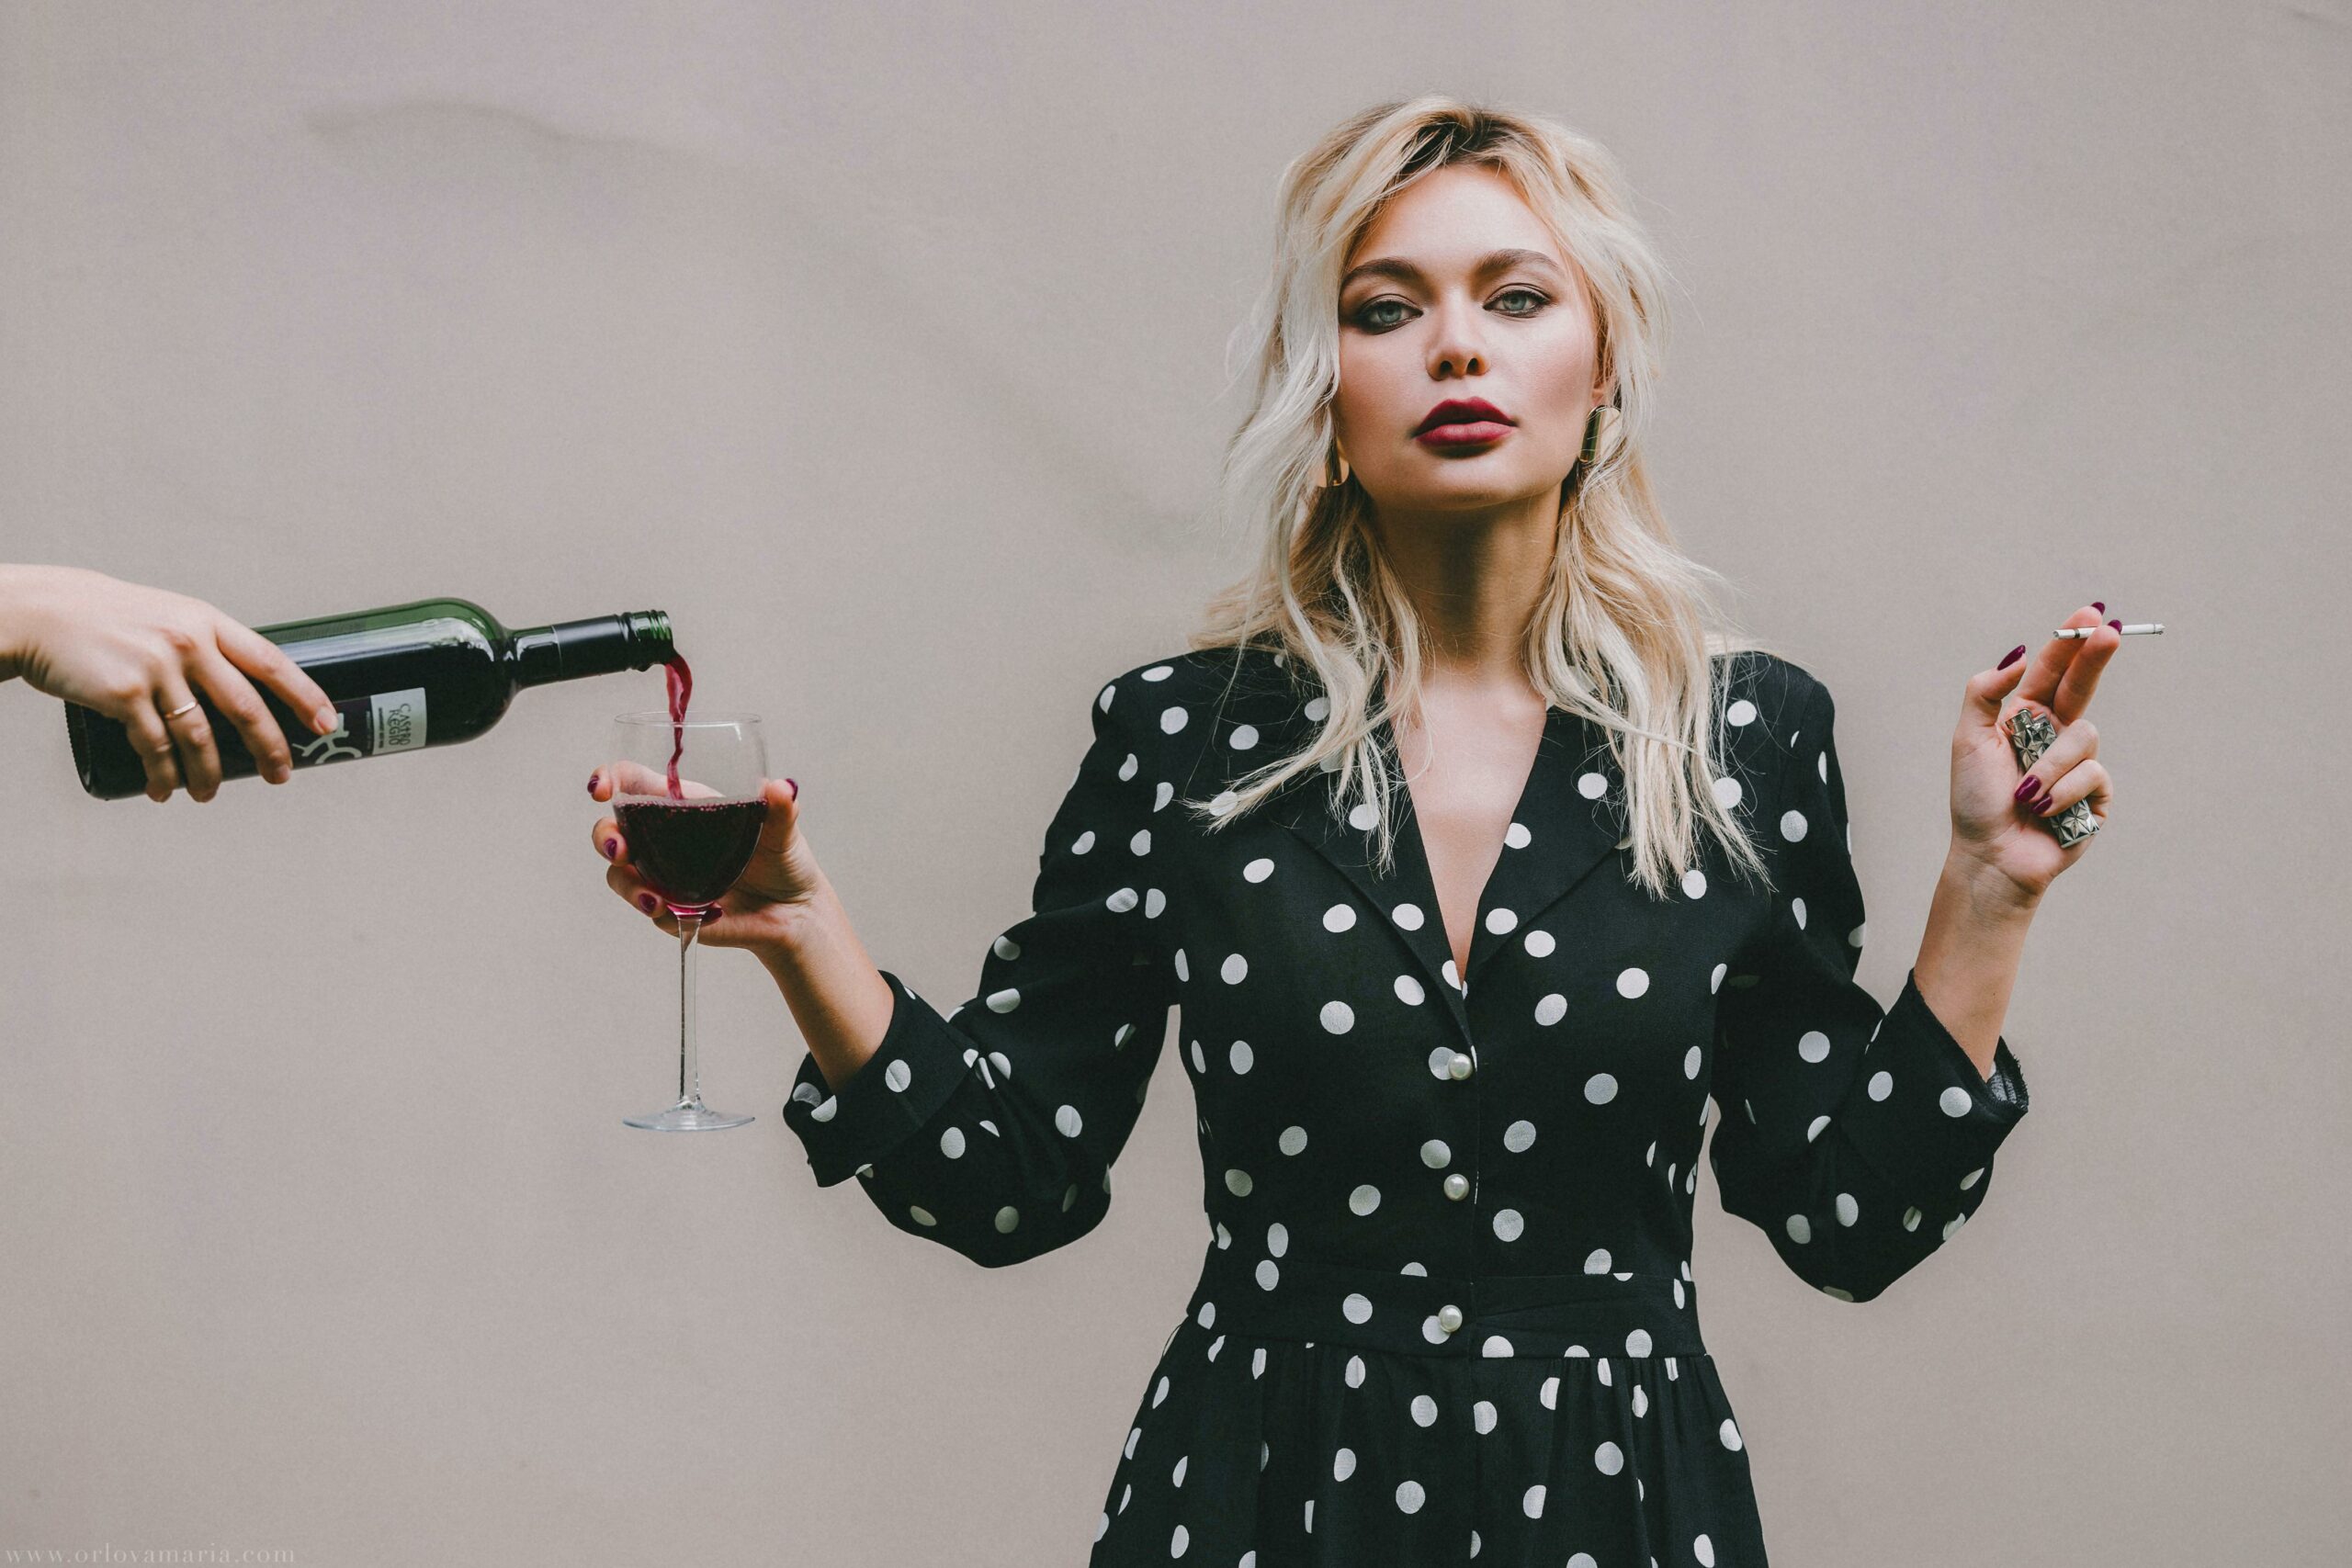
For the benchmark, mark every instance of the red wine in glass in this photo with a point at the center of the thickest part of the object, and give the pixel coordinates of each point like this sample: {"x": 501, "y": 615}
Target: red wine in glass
{"x": 690, "y": 852}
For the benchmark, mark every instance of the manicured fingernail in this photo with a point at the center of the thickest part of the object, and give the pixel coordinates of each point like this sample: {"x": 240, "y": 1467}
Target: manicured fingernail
{"x": 2028, "y": 787}
{"x": 610, "y": 845}
{"x": 2011, "y": 657}
{"x": 593, "y": 778}
{"x": 2117, "y": 624}
{"x": 2100, "y": 605}
{"x": 645, "y": 902}
{"x": 2042, "y": 807}
{"x": 795, "y": 789}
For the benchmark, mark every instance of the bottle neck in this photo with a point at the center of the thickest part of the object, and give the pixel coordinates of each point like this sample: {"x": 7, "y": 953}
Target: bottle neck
{"x": 603, "y": 645}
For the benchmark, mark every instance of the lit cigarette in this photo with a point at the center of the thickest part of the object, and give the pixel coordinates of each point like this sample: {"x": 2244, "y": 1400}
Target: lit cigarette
{"x": 2138, "y": 628}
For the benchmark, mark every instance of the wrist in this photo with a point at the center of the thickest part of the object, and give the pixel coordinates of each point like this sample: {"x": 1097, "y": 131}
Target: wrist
{"x": 1986, "y": 892}
{"x": 790, "y": 933}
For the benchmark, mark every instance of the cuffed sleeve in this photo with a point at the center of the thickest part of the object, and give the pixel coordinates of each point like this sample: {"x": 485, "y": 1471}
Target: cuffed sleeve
{"x": 1858, "y": 1138}
{"x": 992, "y": 1129}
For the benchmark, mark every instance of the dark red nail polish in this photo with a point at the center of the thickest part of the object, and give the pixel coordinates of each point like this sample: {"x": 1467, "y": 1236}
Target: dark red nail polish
{"x": 2028, "y": 787}
{"x": 591, "y": 780}
{"x": 645, "y": 902}
{"x": 2042, "y": 808}
{"x": 2117, "y": 624}
{"x": 796, "y": 791}
{"x": 610, "y": 845}
{"x": 2100, "y": 605}
{"x": 2011, "y": 657}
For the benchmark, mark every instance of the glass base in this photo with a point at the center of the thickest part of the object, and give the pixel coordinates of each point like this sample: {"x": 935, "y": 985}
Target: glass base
{"x": 687, "y": 1116}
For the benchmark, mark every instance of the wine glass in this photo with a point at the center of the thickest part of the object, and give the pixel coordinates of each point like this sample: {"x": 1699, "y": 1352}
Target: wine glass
{"x": 687, "y": 794}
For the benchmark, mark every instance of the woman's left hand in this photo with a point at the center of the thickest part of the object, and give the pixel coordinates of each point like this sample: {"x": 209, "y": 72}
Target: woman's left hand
{"x": 1993, "y": 831}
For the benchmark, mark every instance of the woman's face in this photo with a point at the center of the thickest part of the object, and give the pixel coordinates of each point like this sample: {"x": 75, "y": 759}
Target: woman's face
{"x": 1457, "y": 292}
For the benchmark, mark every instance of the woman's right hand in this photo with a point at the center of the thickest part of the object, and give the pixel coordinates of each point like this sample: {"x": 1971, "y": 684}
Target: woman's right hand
{"x": 776, "y": 886}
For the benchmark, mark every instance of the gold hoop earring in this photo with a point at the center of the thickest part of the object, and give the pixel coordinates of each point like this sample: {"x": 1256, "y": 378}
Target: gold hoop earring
{"x": 1335, "y": 467}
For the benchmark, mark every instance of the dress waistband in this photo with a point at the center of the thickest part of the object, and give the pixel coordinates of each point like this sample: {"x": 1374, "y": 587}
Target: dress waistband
{"x": 1495, "y": 1314}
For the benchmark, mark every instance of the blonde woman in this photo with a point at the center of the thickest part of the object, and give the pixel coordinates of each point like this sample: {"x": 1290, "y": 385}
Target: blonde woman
{"x": 1476, "y": 858}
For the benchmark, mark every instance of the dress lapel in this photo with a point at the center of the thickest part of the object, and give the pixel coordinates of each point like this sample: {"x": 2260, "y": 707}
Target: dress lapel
{"x": 1559, "y": 833}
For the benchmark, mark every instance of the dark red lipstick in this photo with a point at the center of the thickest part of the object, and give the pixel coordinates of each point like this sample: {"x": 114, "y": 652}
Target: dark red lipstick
{"x": 1463, "y": 422}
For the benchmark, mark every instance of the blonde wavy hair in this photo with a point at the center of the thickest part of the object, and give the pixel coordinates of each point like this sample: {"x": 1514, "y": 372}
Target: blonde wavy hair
{"x": 1627, "y": 627}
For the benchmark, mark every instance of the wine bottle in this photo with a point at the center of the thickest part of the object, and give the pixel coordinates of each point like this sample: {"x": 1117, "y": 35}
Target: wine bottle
{"x": 403, "y": 678}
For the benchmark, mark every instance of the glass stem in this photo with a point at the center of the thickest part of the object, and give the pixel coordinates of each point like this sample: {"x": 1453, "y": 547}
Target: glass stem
{"x": 689, "y": 1066}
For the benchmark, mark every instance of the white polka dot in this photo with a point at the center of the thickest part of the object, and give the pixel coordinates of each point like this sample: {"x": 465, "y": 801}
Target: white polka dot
{"x": 1235, "y": 969}
{"x": 1258, "y": 870}
{"x": 1453, "y": 978}
{"x": 1339, "y": 1017}
{"x": 1408, "y": 917}
{"x": 1222, "y": 802}
{"x": 1357, "y": 1308}
{"x": 1632, "y": 983}
{"x": 1408, "y": 991}
{"x": 1119, "y": 903}
{"x": 1501, "y": 921}
{"x": 1244, "y": 736}
{"x": 1006, "y": 1218}
{"x": 1004, "y": 1000}
{"x": 1592, "y": 786}
{"x": 1482, "y": 1416}
{"x": 1238, "y": 1183}
{"x": 1183, "y": 969}
{"x": 1690, "y": 1060}
{"x": 1637, "y": 1343}
{"x": 1004, "y": 947}
{"x": 1607, "y": 1458}
{"x": 1206, "y": 1316}
{"x": 1268, "y": 1275}
{"x": 1728, "y": 793}
{"x": 1424, "y": 1410}
{"x": 1600, "y": 1088}
{"x": 1716, "y": 980}
{"x": 1596, "y": 1261}
{"x": 1585, "y": 1559}
{"x": 1127, "y": 769}
{"x": 1847, "y": 1210}
{"x": 1796, "y": 907}
{"x": 1705, "y": 1550}
{"x": 951, "y": 1143}
{"x": 1740, "y": 713}
{"x": 1552, "y": 1008}
{"x": 1516, "y": 836}
{"x": 1173, "y": 720}
{"x": 1911, "y": 1219}
{"x": 1441, "y": 1060}
{"x": 1435, "y": 1155}
{"x": 1067, "y": 1121}
{"x": 1141, "y": 843}
{"x": 1082, "y": 843}
{"x": 1694, "y": 884}
{"x": 1277, "y": 1240}
{"x": 1363, "y": 816}
{"x": 1881, "y": 1084}
{"x": 1343, "y": 1464}
{"x": 922, "y": 1215}
{"x": 1800, "y": 1229}
{"x": 1496, "y": 1347}
{"x": 1519, "y": 1136}
{"x": 1159, "y": 1391}
{"x": 1814, "y": 1045}
{"x": 1365, "y": 1198}
{"x": 1729, "y": 1433}
{"x": 1508, "y": 1225}
{"x": 1972, "y": 1178}
{"x": 1540, "y": 945}
{"x": 1179, "y": 1541}
{"x": 1154, "y": 900}
{"x": 1200, "y": 1061}
{"x": 1793, "y": 825}
{"x": 1340, "y": 918}
{"x": 1160, "y": 672}
{"x": 1293, "y": 1140}
{"x": 1241, "y": 1056}
{"x": 896, "y": 1075}
{"x": 1533, "y": 1503}
{"x": 1355, "y": 1371}
{"x": 1409, "y": 1497}
{"x": 1954, "y": 1102}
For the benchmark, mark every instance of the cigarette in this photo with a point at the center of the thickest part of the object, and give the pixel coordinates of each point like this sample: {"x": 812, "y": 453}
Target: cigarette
{"x": 2138, "y": 629}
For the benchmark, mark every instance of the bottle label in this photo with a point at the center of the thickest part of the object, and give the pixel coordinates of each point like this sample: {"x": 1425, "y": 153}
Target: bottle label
{"x": 388, "y": 721}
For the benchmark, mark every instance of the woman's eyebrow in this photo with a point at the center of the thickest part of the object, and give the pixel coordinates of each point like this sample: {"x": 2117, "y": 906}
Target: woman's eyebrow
{"x": 1493, "y": 262}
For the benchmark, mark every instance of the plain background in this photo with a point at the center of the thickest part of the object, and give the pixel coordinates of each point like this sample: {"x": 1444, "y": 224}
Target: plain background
{"x": 884, "y": 348}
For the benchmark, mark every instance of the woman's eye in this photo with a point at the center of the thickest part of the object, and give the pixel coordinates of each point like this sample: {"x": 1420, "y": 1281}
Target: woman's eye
{"x": 1372, "y": 316}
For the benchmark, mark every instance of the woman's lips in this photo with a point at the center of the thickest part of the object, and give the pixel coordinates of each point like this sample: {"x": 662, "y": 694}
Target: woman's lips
{"x": 1470, "y": 433}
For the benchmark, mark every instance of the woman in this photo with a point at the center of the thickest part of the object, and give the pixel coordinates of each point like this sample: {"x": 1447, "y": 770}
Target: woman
{"x": 1440, "y": 839}
{"x": 139, "y": 655}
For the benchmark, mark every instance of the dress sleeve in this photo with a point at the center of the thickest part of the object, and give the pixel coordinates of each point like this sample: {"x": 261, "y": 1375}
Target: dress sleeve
{"x": 1858, "y": 1138}
{"x": 992, "y": 1129}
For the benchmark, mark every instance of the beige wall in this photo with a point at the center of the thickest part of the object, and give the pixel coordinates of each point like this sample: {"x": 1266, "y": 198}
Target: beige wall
{"x": 882, "y": 346}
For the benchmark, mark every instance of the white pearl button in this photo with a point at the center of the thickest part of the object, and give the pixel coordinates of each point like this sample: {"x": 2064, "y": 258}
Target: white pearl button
{"x": 1457, "y": 1186}
{"x": 1460, "y": 1067}
{"x": 1449, "y": 1317}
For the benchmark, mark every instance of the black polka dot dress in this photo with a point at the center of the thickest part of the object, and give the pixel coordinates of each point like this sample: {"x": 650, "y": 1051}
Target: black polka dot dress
{"x": 1445, "y": 1312}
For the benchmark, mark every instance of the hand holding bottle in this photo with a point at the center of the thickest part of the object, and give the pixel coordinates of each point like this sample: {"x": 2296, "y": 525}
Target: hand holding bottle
{"x": 137, "y": 654}
{"x": 778, "y": 884}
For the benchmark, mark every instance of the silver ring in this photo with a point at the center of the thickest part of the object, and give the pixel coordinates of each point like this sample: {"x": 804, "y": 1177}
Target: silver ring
{"x": 186, "y": 706}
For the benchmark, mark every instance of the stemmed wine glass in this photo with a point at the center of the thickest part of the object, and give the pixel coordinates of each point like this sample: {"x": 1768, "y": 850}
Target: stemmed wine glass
{"x": 687, "y": 794}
